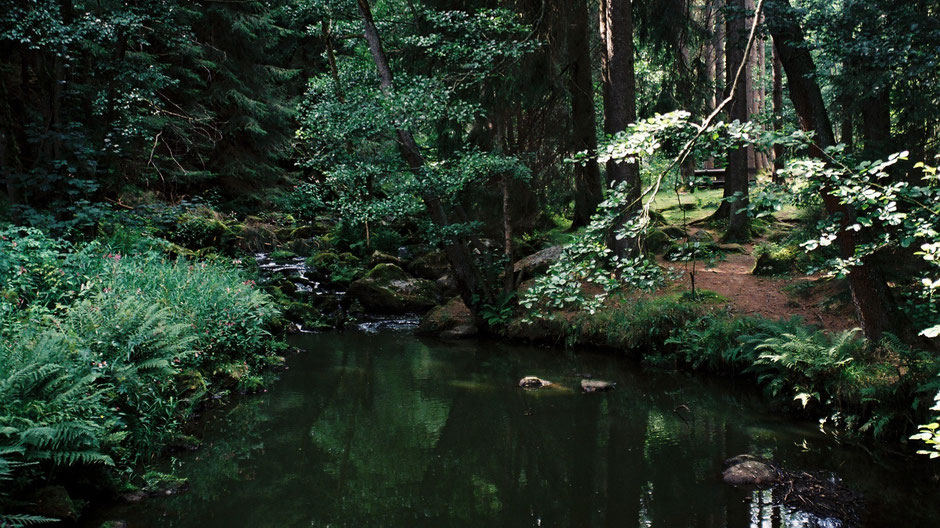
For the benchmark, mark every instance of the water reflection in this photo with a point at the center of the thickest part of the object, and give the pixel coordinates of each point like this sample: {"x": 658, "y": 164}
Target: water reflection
{"x": 382, "y": 429}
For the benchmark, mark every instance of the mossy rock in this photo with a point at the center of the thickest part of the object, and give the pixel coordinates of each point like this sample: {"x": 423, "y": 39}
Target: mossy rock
{"x": 201, "y": 228}
{"x": 701, "y": 236}
{"x": 776, "y": 260}
{"x": 674, "y": 232}
{"x": 732, "y": 248}
{"x": 322, "y": 260}
{"x": 303, "y": 314}
{"x": 657, "y": 218}
{"x": 389, "y": 289}
{"x": 282, "y": 255}
{"x": 302, "y": 232}
{"x": 449, "y": 321}
{"x": 431, "y": 266}
{"x": 657, "y": 241}
{"x": 379, "y": 257}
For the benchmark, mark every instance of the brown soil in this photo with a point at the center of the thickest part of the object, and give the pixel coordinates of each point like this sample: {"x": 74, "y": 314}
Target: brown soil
{"x": 770, "y": 297}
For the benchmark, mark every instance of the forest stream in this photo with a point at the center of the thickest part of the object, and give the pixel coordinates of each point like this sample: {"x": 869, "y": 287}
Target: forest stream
{"x": 376, "y": 427}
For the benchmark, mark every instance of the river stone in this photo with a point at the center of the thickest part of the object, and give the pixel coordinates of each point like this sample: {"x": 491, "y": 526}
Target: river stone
{"x": 532, "y": 382}
{"x": 447, "y": 285}
{"x": 538, "y": 262}
{"x": 590, "y": 385}
{"x": 432, "y": 266}
{"x": 747, "y": 470}
{"x": 452, "y": 320}
{"x": 388, "y": 289}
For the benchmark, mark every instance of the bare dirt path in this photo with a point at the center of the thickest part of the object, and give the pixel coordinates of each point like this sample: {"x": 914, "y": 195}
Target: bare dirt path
{"x": 769, "y": 297}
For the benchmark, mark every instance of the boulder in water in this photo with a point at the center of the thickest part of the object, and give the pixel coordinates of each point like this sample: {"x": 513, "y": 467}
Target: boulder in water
{"x": 532, "y": 382}
{"x": 452, "y": 320}
{"x": 748, "y": 470}
{"x": 591, "y": 385}
{"x": 388, "y": 289}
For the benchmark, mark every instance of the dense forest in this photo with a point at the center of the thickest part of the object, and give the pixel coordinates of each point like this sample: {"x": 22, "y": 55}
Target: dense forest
{"x": 741, "y": 187}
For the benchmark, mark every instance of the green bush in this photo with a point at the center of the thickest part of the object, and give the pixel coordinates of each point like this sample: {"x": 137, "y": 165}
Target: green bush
{"x": 104, "y": 355}
{"x": 854, "y": 384}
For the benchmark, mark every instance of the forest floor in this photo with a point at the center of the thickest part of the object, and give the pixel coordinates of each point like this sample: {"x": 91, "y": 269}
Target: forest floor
{"x": 817, "y": 300}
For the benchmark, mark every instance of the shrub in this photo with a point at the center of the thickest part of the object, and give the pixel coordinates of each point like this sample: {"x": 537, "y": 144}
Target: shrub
{"x": 99, "y": 351}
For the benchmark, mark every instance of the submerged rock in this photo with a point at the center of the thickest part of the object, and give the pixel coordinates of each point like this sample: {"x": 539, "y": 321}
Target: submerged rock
{"x": 388, "y": 289}
{"x": 532, "y": 382}
{"x": 591, "y": 385}
{"x": 452, "y": 320}
{"x": 748, "y": 470}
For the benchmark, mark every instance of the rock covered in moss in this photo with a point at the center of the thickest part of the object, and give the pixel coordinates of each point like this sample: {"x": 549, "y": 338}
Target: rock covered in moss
{"x": 775, "y": 260}
{"x": 452, "y": 320}
{"x": 379, "y": 257}
{"x": 432, "y": 266}
{"x": 656, "y": 241}
{"x": 388, "y": 289}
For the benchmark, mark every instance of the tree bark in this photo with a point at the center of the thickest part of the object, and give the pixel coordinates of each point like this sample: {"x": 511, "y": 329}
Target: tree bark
{"x": 720, "y": 54}
{"x": 619, "y": 89}
{"x": 587, "y": 179}
{"x": 778, "y": 114}
{"x": 876, "y": 310}
{"x": 468, "y": 283}
{"x": 736, "y": 174}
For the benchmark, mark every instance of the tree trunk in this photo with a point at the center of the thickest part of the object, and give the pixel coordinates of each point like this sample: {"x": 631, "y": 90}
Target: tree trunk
{"x": 509, "y": 275}
{"x": 587, "y": 178}
{"x": 468, "y": 283}
{"x": 876, "y": 310}
{"x": 778, "y": 115}
{"x": 619, "y": 82}
{"x": 720, "y": 54}
{"x": 736, "y": 174}
{"x": 876, "y": 123}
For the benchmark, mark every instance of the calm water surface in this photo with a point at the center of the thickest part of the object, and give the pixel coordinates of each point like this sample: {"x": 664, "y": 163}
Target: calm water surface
{"x": 385, "y": 429}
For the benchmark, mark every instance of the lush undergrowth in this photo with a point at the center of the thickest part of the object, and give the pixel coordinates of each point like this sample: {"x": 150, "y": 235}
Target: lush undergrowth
{"x": 104, "y": 355}
{"x": 876, "y": 390}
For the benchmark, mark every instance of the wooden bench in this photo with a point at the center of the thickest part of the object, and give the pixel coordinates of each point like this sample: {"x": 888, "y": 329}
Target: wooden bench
{"x": 716, "y": 177}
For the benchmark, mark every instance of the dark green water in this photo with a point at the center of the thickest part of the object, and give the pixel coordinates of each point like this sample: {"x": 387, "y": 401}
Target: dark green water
{"x": 384, "y": 429}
